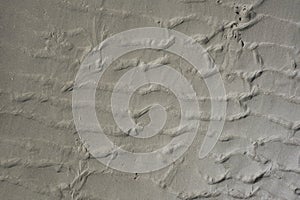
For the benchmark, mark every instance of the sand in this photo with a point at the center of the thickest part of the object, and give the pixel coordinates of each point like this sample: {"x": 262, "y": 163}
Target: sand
{"x": 255, "y": 46}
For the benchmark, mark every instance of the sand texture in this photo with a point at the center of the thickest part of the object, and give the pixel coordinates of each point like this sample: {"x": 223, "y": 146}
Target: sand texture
{"x": 254, "y": 43}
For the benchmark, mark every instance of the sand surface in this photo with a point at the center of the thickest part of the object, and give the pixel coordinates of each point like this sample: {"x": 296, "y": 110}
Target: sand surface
{"x": 254, "y": 43}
